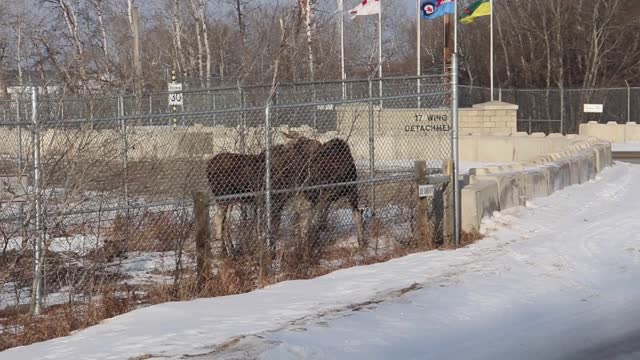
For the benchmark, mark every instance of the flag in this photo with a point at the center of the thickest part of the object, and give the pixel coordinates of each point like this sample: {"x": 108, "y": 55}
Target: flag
{"x": 477, "y": 9}
{"x": 433, "y": 9}
{"x": 367, "y": 7}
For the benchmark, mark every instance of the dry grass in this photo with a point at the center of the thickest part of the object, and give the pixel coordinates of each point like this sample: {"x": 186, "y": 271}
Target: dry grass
{"x": 466, "y": 239}
{"x": 150, "y": 232}
{"x": 250, "y": 267}
{"x": 236, "y": 275}
{"x": 21, "y": 328}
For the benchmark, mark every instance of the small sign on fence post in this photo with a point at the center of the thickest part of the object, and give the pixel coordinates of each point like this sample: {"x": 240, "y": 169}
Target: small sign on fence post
{"x": 426, "y": 191}
{"x": 175, "y": 94}
{"x": 593, "y": 108}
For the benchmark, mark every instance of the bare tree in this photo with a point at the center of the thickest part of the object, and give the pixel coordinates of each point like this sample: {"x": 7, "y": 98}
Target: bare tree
{"x": 133, "y": 14}
{"x": 99, "y": 7}
{"x": 178, "y": 59}
{"x": 71, "y": 19}
{"x": 205, "y": 33}
{"x": 308, "y": 11}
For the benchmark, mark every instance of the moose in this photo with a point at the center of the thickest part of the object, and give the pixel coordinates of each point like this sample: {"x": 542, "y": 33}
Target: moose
{"x": 300, "y": 163}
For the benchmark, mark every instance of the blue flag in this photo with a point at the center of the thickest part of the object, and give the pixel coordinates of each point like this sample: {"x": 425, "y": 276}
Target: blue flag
{"x": 433, "y": 9}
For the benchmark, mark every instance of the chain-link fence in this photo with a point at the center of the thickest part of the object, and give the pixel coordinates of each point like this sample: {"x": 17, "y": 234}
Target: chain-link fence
{"x": 102, "y": 212}
{"x": 541, "y": 110}
{"x": 561, "y": 110}
{"x": 101, "y": 106}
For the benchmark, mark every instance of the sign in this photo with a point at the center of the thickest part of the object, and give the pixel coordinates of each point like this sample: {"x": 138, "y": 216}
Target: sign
{"x": 325, "y": 107}
{"x": 436, "y": 122}
{"x": 593, "y": 108}
{"x": 426, "y": 191}
{"x": 13, "y": 188}
{"x": 175, "y": 94}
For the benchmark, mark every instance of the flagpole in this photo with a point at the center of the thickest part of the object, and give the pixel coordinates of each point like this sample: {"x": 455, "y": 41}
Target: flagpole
{"x": 455, "y": 27}
{"x": 456, "y": 131}
{"x": 343, "y": 74}
{"x": 491, "y": 52}
{"x": 380, "y": 48}
{"x": 418, "y": 48}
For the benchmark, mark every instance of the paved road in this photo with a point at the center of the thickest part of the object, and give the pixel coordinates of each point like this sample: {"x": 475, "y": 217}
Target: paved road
{"x": 627, "y": 156}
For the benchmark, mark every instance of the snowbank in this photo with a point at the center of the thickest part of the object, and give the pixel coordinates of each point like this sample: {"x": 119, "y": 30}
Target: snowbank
{"x": 564, "y": 249}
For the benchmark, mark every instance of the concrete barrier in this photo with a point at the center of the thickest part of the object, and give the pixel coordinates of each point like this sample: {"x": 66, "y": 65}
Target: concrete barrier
{"x": 515, "y": 148}
{"x": 612, "y": 131}
{"x": 536, "y": 183}
{"x": 631, "y": 132}
{"x": 503, "y": 187}
{"x": 479, "y": 200}
{"x": 510, "y": 188}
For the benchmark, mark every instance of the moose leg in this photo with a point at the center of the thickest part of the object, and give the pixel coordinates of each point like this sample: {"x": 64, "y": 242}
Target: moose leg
{"x": 276, "y": 212}
{"x": 304, "y": 217}
{"x": 357, "y": 217}
{"x": 218, "y": 225}
{"x": 323, "y": 218}
{"x": 357, "y": 220}
{"x": 226, "y": 230}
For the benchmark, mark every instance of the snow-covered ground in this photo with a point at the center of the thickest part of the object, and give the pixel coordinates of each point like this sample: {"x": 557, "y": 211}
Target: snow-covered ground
{"x": 557, "y": 279}
{"x": 625, "y": 147}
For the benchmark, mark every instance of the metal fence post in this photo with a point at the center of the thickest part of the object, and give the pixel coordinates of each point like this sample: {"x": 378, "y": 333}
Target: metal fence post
{"x": 455, "y": 148}
{"x": 628, "y": 101}
{"x": 562, "y": 110}
{"x": 214, "y": 107}
{"x": 315, "y": 107}
{"x": 372, "y": 158}
{"x": 125, "y": 149}
{"x": 267, "y": 176}
{"x": 21, "y": 167}
{"x": 37, "y": 290}
{"x": 243, "y": 141}
{"x": 19, "y": 125}
{"x": 419, "y": 91}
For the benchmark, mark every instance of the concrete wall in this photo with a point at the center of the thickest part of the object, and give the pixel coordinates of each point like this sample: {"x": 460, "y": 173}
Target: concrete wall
{"x": 503, "y": 187}
{"x": 516, "y": 147}
{"x": 489, "y": 118}
{"x": 200, "y": 142}
{"x": 612, "y": 131}
{"x": 399, "y": 134}
{"x": 482, "y": 119}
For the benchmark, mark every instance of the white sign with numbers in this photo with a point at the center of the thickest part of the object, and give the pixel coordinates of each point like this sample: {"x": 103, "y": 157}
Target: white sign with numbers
{"x": 593, "y": 108}
{"x": 426, "y": 190}
{"x": 175, "y": 94}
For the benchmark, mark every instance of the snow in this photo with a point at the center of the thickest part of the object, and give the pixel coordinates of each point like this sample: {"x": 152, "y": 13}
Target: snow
{"x": 139, "y": 268}
{"x": 553, "y": 280}
{"x": 625, "y": 147}
{"x": 142, "y": 267}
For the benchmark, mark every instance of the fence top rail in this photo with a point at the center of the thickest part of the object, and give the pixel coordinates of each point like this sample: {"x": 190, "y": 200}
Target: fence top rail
{"x": 241, "y": 110}
{"x": 361, "y": 100}
{"x": 102, "y": 97}
{"x": 550, "y": 89}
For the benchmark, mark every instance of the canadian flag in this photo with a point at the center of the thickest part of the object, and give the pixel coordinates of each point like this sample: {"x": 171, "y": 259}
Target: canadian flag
{"x": 367, "y": 7}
